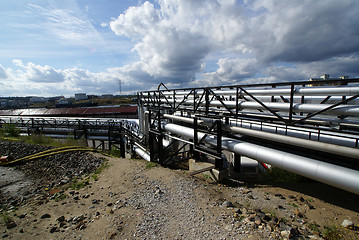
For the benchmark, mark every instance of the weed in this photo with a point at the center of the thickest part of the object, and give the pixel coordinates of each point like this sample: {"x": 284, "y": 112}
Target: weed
{"x": 9, "y": 130}
{"x": 95, "y": 177}
{"x": 293, "y": 205}
{"x": 115, "y": 151}
{"x": 60, "y": 196}
{"x": 5, "y": 217}
{"x": 314, "y": 227}
{"x": 150, "y": 165}
{"x": 278, "y": 175}
{"x": 103, "y": 166}
{"x": 78, "y": 184}
{"x": 333, "y": 232}
{"x": 206, "y": 176}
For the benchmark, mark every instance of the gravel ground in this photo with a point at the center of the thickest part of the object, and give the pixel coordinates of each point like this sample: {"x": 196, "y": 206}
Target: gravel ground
{"x": 130, "y": 201}
{"x": 46, "y": 172}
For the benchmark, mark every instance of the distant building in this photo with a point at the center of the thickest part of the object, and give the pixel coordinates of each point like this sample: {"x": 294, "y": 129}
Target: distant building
{"x": 107, "y": 96}
{"x": 37, "y": 99}
{"x": 80, "y": 96}
{"x": 326, "y": 77}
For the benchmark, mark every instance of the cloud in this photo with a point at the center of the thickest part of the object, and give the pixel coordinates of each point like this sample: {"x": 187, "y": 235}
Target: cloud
{"x": 302, "y": 31}
{"x": 40, "y": 74}
{"x": 253, "y": 39}
{"x": 3, "y": 73}
{"x": 232, "y": 70}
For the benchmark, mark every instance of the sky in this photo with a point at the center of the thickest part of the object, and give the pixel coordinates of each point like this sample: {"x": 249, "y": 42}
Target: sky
{"x": 52, "y": 48}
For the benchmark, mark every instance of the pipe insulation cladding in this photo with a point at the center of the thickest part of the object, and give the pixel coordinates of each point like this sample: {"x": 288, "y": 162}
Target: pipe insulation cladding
{"x": 337, "y": 176}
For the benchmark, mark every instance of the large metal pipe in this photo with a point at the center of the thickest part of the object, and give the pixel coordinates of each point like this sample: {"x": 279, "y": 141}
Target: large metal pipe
{"x": 330, "y": 174}
{"x": 142, "y": 153}
{"x": 324, "y": 141}
{"x": 320, "y": 146}
{"x": 315, "y": 91}
{"x": 348, "y": 110}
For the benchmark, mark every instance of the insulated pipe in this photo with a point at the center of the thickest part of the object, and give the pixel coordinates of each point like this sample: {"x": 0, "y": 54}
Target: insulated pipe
{"x": 295, "y": 137}
{"x": 318, "y": 91}
{"x": 308, "y": 108}
{"x": 142, "y": 153}
{"x": 330, "y": 174}
{"x": 325, "y": 147}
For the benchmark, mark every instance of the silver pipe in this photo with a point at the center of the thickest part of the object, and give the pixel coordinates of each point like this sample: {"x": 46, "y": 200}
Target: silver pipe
{"x": 142, "y": 153}
{"x": 294, "y": 136}
{"x": 325, "y": 147}
{"x": 330, "y": 174}
{"x": 352, "y": 110}
{"x": 318, "y": 91}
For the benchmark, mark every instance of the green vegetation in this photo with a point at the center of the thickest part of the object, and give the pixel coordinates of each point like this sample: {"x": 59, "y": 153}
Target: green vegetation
{"x": 79, "y": 183}
{"x": 293, "y": 205}
{"x": 99, "y": 170}
{"x": 334, "y": 233}
{"x": 115, "y": 151}
{"x": 277, "y": 175}
{"x": 59, "y": 196}
{"x": 150, "y": 165}
{"x": 5, "y": 218}
{"x": 9, "y": 130}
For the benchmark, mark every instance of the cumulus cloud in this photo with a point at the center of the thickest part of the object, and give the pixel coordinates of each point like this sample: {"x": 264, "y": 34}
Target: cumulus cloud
{"x": 303, "y": 30}
{"x": 3, "y": 74}
{"x": 175, "y": 38}
{"x": 38, "y": 73}
{"x": 232, "y": 70}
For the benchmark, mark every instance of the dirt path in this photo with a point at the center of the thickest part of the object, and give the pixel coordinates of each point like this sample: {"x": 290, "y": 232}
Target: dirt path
{"x": 129, "y": 201}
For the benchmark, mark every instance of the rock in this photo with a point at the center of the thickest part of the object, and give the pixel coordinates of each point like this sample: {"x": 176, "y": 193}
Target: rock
{"x": 227, "y": 204}
{"x": 54, "y": 229}
{"x": 10, "y": 225}
{"x": 46, "y": 215}
{"x": 86, "y": 196}
{"x": 21, "y": 230}
{"x": 94, "y": 201}
{"x": 279, "y": 195}
{"x": 257, "y": 220}
{"x": 61, "y": 219}
{"x": 229, "y": 227}
{"x": 347, "y": 223}
{"x": 285, "y": 234}
{"x": 22, "y": 215}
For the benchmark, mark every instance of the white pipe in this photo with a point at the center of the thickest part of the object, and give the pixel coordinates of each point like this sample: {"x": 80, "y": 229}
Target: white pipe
{"x": 334, "y": 175}
{"x": 351, "y": 110}
{"x": 294, "y": 136}
{"x": 142, "y": 153}
{"x": 318, "y": 91}
{"x": 325, "y": 147}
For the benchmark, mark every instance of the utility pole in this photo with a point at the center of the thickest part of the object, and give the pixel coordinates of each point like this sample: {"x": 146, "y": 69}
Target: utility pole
{"x": 119, "y": 85}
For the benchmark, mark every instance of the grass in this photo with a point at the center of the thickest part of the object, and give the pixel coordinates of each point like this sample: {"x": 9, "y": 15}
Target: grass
{"x": 115, "y": 151}
{"x": 333, "y": 232}
{"x": 277, "y": 175}
{"x": 5, "y": 218}
{"x": 9, "y": 130}
{"x": 79, "y": 183}
{"x": 59, "y": 196}
{"x": 293, "y": 205}
{"x": 150, "y": 165}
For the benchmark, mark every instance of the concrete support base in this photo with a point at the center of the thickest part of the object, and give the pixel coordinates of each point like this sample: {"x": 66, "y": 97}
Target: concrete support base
{"x": 215, "y": 174}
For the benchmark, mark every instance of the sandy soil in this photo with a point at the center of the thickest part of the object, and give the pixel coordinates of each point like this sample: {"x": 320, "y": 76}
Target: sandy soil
{"x": 177, "y": 207}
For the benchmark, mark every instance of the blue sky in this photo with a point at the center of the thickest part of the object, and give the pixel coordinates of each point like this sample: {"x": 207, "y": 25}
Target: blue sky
{"x": 52, "y": 48}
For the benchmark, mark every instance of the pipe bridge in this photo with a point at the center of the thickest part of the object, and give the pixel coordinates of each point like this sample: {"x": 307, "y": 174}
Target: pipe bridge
{"x": 309, "y": 128}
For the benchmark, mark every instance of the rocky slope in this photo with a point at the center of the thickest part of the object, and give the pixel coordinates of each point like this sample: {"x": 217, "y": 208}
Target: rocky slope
{"x": 130, "y": 200}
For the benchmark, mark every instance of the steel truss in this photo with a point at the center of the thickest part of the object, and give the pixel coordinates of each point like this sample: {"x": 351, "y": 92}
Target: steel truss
{"x": 317, "y": 109}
